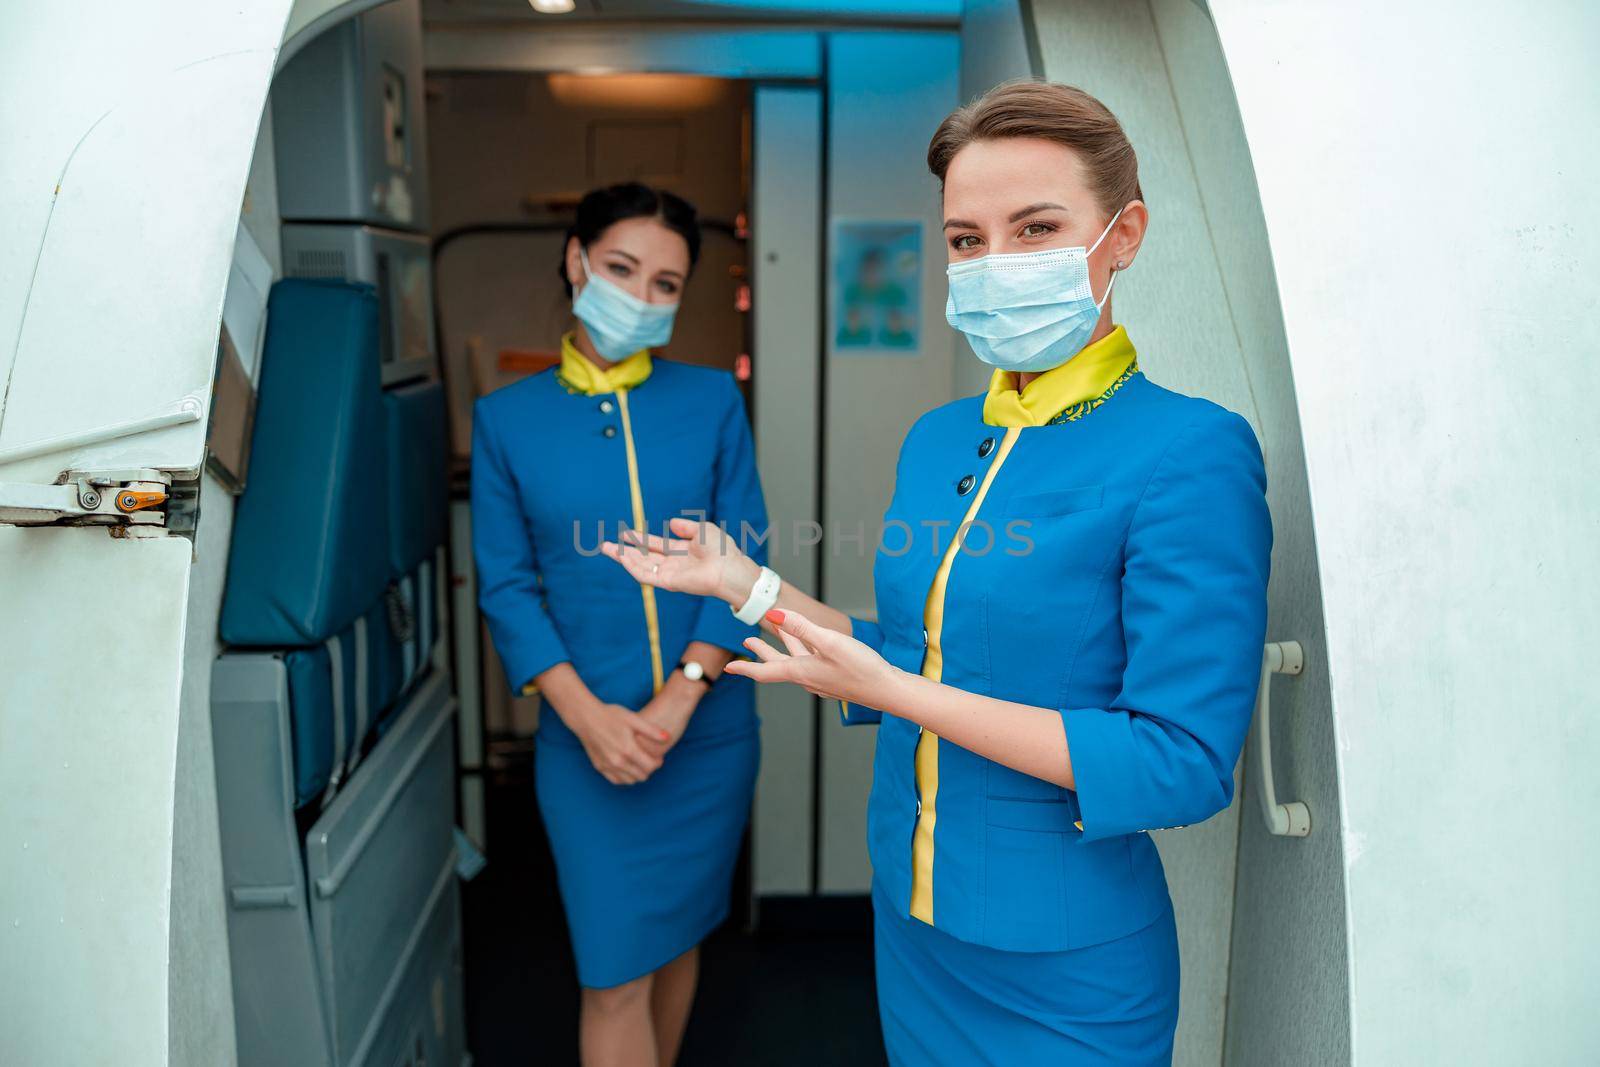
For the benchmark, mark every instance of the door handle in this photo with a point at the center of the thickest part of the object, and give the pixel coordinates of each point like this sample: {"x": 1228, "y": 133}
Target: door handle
{"x": 1291, "y": 818}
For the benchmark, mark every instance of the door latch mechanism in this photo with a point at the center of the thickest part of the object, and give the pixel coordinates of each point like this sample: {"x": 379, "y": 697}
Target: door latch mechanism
{"x": 129, "y": 497}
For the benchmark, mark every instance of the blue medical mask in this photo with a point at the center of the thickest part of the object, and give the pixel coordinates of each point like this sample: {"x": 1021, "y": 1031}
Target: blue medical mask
{"x": 619, "y": 323}
{"x": 1027, "y": 311}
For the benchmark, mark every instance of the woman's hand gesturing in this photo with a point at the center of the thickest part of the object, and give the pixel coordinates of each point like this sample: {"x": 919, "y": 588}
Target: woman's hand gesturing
{"x": 700, "y": 559}
{"x": 825, "y": 662}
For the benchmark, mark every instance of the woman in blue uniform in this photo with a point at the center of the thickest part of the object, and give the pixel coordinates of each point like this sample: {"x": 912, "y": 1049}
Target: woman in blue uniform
{"x": 1077, "y": 665}
{"x": 646, "y": 768}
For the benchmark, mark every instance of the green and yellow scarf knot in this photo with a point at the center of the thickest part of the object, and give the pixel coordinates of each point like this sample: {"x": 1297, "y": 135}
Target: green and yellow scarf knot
{"x": 1065, "y": 393}
{"x": 577, "y": 375}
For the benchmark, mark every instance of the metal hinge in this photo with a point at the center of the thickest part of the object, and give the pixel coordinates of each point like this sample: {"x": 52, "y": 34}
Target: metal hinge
{"x": 134, "y": 496}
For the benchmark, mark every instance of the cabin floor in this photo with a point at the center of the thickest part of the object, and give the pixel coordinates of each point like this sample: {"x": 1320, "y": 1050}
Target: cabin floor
{"x": 779, "y": 995}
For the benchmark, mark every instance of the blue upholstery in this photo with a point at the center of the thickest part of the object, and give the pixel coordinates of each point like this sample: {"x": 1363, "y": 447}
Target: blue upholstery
{"x": 310, "y": 721}
{"x": 315, "y": 731}
{"x": 309, "y": 534}
{"x": 418, "y": 473}
{"x": 412, "y": 627}
{"x": 310, "y": 563}
{"x": 419, "y": 458}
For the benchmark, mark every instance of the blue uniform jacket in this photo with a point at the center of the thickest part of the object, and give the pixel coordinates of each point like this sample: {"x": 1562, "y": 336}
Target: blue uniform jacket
{"x": 1125, "y": 588}
{"x": 549, "y": 470}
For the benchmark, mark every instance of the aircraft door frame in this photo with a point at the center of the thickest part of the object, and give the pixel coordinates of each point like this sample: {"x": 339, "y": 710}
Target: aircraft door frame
{"x": 123, "y": 215}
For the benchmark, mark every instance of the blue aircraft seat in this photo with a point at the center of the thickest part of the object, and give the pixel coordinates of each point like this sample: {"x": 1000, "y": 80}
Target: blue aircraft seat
{"x": 338, "y": 690}
{"x": 418, "y": 476}
{"x": 343, "y": 916}
{"x": 306, "y": 575}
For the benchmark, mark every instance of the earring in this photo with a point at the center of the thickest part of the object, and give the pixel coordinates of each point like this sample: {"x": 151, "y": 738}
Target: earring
{"x": 1120, "y": 264}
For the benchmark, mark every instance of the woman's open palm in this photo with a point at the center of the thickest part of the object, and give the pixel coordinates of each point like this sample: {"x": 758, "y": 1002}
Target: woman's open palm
{"x": 697, "y": 559}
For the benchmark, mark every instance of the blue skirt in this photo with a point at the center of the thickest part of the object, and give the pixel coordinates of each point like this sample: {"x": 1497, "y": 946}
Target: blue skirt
{"x": 946, "y": 1001}
{"x": 645, "y": 870}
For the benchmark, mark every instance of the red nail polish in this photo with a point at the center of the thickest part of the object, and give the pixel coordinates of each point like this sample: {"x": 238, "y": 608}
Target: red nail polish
{"x": 775, "y": 617}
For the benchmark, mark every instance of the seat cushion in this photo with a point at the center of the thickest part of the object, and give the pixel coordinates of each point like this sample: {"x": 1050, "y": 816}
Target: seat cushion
{"x": 419, "y": 465}
{"x": 310, "y": 532}
{"x": 413, "y": 627}
{"x": 338, "y": 691}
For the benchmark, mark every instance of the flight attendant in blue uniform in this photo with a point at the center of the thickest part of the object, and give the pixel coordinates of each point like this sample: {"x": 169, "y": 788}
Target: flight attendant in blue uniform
{"x": 1071, "y": 593}
{"x": 646, "y": 768}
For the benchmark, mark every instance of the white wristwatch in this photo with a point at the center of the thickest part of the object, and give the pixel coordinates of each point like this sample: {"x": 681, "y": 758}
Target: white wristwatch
{"x": 763, "y": 595}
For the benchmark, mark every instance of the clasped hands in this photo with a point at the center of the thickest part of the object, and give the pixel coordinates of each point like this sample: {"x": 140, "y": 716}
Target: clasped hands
{"x": 627, "y": 747}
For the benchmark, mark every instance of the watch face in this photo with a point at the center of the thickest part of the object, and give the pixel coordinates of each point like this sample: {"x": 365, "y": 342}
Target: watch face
{"x": 693, "y": 671}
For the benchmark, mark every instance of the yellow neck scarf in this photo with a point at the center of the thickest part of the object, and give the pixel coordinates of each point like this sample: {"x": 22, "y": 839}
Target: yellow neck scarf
{"x": 1087, "y": 377}
{"x": 581, "y": 376}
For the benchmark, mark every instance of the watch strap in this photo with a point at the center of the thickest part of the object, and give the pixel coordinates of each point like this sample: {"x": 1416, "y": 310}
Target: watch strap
{"x": 763, "y": 595}
{"x": 705, "y": 675}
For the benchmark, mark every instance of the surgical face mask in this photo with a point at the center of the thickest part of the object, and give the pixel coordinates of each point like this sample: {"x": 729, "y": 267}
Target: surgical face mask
{"x": 619, "y": 323}
{"x": 1027, "y": 311}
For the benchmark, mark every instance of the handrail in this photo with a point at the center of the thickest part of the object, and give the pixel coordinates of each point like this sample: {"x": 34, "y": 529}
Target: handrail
{"x": 1291, "y": 818}
{"x": 188, "y": 409}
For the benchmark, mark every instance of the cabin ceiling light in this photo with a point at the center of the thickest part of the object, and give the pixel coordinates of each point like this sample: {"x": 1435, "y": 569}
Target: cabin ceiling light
{"x": 551, "y": 7}
{"x": 634, "y": 91}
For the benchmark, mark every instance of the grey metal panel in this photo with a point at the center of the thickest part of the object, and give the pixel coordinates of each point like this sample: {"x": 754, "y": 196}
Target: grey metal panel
{"x": 995, "y": 45}
{"x": 309, "y": 18}
{"x": 199, "y": 982}
{"x": 336, "y": 106}
{"x": 787, "y": 213}
{"x": 375, "y": 860}
{"x": 424, "y": 1022}
{"x": 277, "y": 1002}
{"x": 396, "y": 264}
{"x": 464, "y": 624}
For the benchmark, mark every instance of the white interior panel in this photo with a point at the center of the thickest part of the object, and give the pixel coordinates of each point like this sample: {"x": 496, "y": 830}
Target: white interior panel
{"x": 131, "y": 128}
{"x": 787, "y": 220}
{"x": 93, "y": 633}
{"x": 1426, "y": 178}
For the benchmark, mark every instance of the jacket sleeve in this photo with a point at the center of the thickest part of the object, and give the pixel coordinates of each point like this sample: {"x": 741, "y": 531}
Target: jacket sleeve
{"x": 1194, "y": 611}
{"x": 509, "y": 586}
{"x": 737, "y": 506}
{"x": 870, "y": 634}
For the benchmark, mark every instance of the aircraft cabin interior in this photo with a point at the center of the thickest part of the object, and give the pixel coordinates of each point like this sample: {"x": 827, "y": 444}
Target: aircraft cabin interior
{"x": 315, "y": 809}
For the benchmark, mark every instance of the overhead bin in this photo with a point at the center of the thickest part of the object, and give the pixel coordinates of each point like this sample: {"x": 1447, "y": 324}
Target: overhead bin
{"x": 347, "y": 117}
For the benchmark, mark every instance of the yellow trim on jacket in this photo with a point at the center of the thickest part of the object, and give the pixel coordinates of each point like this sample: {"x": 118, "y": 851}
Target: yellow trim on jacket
{"x": 651, "y": 622}
{"x": 579, "y": 375}
{"x": 927, "y": 758}
{"x": 1094, "y": 373}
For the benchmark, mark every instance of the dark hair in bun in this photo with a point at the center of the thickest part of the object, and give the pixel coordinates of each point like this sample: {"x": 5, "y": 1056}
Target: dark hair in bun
{"x": 601, "y": 208}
